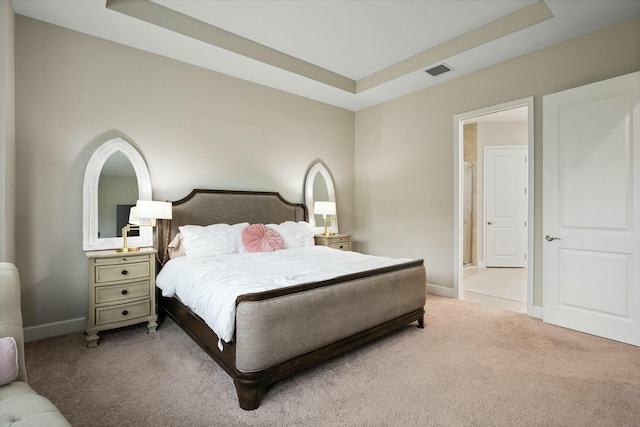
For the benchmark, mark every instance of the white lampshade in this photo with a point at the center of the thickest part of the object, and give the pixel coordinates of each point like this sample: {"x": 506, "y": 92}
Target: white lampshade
{"x": 133, "y": 216}
{"x": 153, "y": 210}
{"x": 324, "y": 208}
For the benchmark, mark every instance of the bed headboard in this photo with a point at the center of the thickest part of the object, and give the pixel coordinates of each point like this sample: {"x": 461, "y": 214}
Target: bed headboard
{"x": 204, "y": 207}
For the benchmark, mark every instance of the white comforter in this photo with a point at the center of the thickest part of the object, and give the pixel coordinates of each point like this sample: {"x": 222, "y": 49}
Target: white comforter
{"x": 210, "y": 285}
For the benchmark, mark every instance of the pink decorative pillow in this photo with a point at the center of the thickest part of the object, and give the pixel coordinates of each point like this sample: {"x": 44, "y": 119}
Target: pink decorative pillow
{"x": 260, "y": 238}
{"x": 8, "y": 360}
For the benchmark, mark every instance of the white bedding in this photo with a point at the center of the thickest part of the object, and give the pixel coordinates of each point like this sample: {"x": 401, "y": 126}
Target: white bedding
{"x": 210, "y": 285}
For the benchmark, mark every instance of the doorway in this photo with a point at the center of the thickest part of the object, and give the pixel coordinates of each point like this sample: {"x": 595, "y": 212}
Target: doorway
{"x": 494, "y": 129}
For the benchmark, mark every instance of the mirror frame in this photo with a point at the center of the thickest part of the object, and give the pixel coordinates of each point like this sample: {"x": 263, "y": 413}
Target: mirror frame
{"x": 91, "y": 241}
{"x": 319, "y": 168}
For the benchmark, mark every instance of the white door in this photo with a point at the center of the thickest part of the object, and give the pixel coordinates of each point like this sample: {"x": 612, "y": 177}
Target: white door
{"x": 505, "y": 206}
{"x": 591, "y": 208}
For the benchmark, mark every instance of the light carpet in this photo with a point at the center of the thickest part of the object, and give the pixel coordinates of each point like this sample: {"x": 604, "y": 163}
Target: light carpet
{"x": 472, "y": 365}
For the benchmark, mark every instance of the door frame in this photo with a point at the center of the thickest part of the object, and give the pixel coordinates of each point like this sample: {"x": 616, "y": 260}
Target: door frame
{"x": 458, "y": 193}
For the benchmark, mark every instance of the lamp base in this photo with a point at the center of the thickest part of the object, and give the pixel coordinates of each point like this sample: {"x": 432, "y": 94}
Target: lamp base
{"x": 127, "y": 249}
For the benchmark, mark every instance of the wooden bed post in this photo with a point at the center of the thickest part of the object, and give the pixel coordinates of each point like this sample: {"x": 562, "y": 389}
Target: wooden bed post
{"x": 250, "y": 393}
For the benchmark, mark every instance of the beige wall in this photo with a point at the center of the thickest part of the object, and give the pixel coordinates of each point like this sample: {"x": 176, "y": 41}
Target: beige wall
{"x": 404, "y": 148}
{"x": 7, "y": 133}
{"x": 195, "y": 128}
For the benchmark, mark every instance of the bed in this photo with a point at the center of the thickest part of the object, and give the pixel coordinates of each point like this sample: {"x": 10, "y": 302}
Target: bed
{"x": 280, "y": 332}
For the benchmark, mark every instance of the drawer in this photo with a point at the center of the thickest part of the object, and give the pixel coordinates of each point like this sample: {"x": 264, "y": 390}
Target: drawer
{"x": 342, "y": 245}
{"x": 121, "y": 259}
{"x": 339, "y": 239}
{"x": 126, "y": 291}
{"x": 122, "y": 312}
{"x": 130, "y": 271}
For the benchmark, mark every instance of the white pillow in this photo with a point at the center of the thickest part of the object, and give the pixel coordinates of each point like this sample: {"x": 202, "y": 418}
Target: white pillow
{"x": 308, "y": 233}
{"x": 295, "y": 234}
{"x": 214, "y": 239}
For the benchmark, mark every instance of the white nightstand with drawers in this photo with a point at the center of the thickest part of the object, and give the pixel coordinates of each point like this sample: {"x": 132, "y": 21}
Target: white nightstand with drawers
{"x": 121, "y": 291}
{"x": 336, "y": 241}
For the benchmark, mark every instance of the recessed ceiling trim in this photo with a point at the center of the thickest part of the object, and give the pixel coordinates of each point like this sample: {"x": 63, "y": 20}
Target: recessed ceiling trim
{"x": 175, "y": 21}
{"x": 512, "y": 22}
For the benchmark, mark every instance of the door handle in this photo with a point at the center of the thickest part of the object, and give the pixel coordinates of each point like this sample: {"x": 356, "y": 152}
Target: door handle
{"x": 549, "y": 238}
{"x": 489, "y": 222}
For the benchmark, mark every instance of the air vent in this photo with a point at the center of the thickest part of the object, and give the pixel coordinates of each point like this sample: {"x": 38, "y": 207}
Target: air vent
{"x": 438, "y": 69}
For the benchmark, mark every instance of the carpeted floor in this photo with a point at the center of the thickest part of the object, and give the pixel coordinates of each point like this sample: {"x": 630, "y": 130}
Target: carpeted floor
{"x": 472, "y": 365}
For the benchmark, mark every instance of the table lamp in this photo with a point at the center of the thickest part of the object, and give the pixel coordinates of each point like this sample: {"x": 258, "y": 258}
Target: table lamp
{"x": 326, "y": 209}
{"x": 144, "y": 214}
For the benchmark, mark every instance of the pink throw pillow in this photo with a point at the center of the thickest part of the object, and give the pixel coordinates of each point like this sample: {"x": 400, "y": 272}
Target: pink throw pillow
{"x": 260, "y": 238}
{"x": 8, "y": 360}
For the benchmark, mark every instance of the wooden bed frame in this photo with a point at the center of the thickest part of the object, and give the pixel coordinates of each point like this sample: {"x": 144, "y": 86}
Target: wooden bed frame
{"x": 204, "y": 207}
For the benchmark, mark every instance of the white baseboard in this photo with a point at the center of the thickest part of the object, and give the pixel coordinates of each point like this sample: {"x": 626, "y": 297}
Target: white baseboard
{"x": 537, "y": 312}
{"x": 48, "y": 330}
{"x": 441, "y": 291}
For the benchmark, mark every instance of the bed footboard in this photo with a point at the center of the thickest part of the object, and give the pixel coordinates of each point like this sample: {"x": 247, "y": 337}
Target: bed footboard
{"x": 313, "y": 318}
{"x": 252, "y": 387}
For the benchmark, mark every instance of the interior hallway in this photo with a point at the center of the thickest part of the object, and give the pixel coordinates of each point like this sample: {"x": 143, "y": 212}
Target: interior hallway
{"x": 499, "y": 287}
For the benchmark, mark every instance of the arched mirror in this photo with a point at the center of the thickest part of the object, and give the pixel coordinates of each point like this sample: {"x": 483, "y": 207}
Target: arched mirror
{"x": 318, "y": 187}
{"x": 115, "y": 178}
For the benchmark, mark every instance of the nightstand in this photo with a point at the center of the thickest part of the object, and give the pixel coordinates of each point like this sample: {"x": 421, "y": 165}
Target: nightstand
{"x": 337, "y": 241}
{"x": 121, "y": 291}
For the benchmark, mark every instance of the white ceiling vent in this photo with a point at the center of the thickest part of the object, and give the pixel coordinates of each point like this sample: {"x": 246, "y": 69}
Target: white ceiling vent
{"x": 438, "y": 69}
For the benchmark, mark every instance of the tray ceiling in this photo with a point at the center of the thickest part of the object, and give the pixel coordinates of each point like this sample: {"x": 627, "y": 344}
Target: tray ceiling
{"x": 348, "y": 53}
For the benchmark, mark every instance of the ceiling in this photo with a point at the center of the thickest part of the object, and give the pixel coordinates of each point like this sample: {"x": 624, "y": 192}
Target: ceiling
{"x": 349, "y": 53}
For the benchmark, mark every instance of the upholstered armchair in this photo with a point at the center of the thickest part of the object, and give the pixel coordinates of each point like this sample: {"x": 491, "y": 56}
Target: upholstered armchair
{"x": 20, "y": 405}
